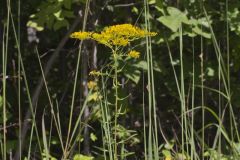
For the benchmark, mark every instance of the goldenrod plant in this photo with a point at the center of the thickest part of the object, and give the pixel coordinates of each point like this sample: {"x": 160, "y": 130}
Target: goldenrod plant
{"x": 116, "y": 38}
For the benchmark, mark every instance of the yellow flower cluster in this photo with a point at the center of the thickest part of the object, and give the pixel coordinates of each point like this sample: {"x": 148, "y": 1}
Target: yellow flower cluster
{"x": 81, "y": 35}
{"x": 134, "y": 54}
{"x": 117, "y": 35}
{"x": 95, "y": 73}
{"x": 91, "y": 85}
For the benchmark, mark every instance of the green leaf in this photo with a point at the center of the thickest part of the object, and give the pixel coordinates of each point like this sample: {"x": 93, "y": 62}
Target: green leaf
{"x": 58, "y": 15}
{"x": 67, "y": 4}
{"x": 79, "y": 138}
{"x": 166, "y": 153}
{"x": 175, "y": 12}
{"x": 181, "y": 156}
{"x": 141, "y": 64}
{"x": 204, "y": 22}
{"x": 35, "y": 25}
{"x": 60, "y": 24}
{"x": 67, "y": 14}
{"x": 210, "y": 72}
{"x": 82, "y": 157}
{"x": 170, "y": 22}
{"x": 174, "y": 19}
{"x": 199, "y": 31}
{"x": 50, "y": 21}
{"x": 133, "y": 74}
{"x": 93, "y": 137}
{"x": 151, "y": 1}
{"x": 159, "y": 3}
{"x": 132, "y": 70}
{"x": 135, "y": 10}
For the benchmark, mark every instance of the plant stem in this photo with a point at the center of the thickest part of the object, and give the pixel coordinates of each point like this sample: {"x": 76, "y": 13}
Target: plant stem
{"x": 115, "y": 84}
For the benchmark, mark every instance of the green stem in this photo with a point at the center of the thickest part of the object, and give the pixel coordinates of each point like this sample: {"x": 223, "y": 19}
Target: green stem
{"x": 116, "y": 102}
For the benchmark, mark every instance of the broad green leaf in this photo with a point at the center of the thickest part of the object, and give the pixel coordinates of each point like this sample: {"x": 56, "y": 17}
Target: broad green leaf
{"x": 174, "y": 19}
{"x": 204, "y": 22}
{"x": 199, "y": 31}
{"x": 175, "y": 12}
{"x": 171, "y": 22}
{"x": 141, "y": 64}
{"x": 133, "y": 74}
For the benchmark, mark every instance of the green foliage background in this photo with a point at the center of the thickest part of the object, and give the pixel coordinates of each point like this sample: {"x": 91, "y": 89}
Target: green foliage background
{"x": 51, "y": 19}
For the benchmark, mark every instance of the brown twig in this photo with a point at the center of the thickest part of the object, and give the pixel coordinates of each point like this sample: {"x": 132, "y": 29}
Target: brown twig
{"x": 10, "y": 125}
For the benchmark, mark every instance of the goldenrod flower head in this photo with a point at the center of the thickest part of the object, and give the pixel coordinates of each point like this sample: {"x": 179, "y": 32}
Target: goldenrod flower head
{"x": 91, "y": 85}
{"x": 117, "y": 35}
{"x": 127, "y": 31}
{"x": 95, "y": 73}
{"x": 102, "y": 38}
{"x": 81, "y": 35}
{"x": 120, "y": 41}
{"x": 134, "y": 54}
